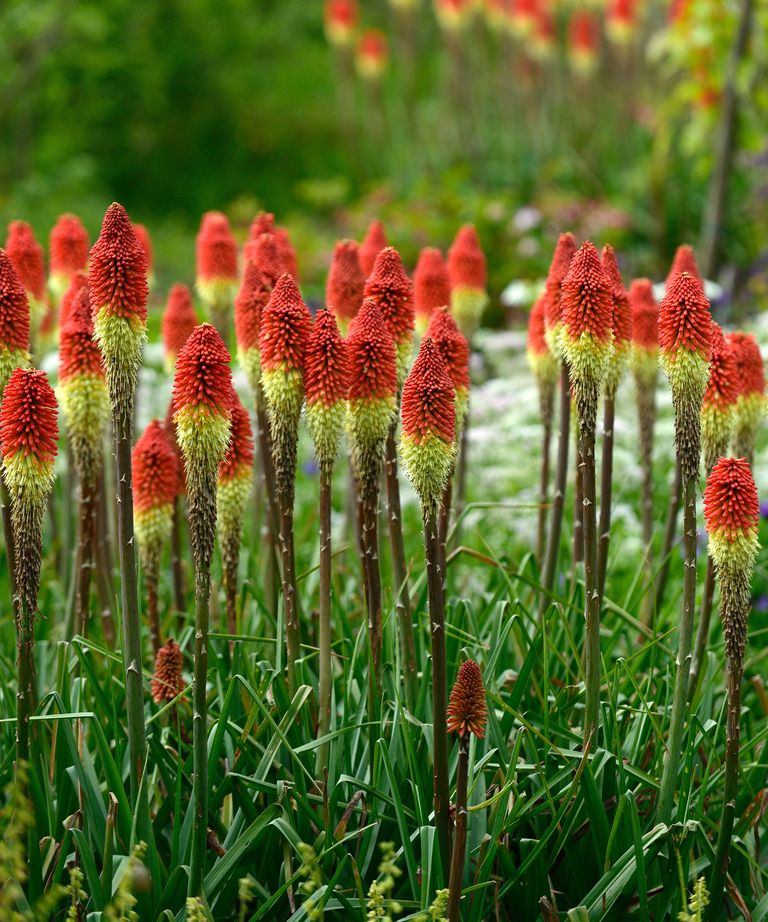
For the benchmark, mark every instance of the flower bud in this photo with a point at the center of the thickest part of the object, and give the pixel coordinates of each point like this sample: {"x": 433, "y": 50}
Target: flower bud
{"x": 454, "y": 349}
{"x": 167, "y": 681}
{"x": 179, "y": 319}
{"x": 431, "y": 286}
{"x": 391, "y": 289}
{"x": 468, "y": 275}
{"x": 14, "y": 322}
{"x": 68, "y": 252}
{"x": 718, "y": 406}
{"x": 467, "y": 709}
{"x": 326, "y": 378}
{"x": 346, "y": 283}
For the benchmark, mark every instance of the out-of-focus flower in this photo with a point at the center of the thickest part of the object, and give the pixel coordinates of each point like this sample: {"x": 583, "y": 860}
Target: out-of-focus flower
{"x": 718, "y": 407}
{"x": 583, "y": 42}
{"x": 341, "y": 19}
{"x": 27, "y": 257}
{"x": 346, "y": 283}
{"x": 372, "y": 55}
{"x": 558, "y": 269}
{"x": 621, "y": 323}
{"x": 454, "y": 349}
{"x": 431, "y": 286}
{"x": 146, "y": 242}
{"x": 523, "y": 17}
{"x": 179, "y": 319}
{"x": 155, "y": 478}
{"x": 453, "y": 15}
{"x": 750, "y": 383}
{"x": 68, "y": 253}
{"x": 621, "y": 20}
{"x": 684, "y": 261}
{"x": 468, "y": 274}
{"x": 373, "y": 243}
{"x": 14, "y": 321}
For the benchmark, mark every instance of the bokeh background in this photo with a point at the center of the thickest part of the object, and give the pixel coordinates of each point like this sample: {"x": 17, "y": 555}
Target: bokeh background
{"x": 527, "y": 117}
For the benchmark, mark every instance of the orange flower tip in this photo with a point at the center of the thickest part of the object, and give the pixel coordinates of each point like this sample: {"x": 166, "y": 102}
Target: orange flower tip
{"x": 372, "y": 355}
{"x": 431, "y": 285}
{"x": 146, "y": 244}
{"x": 263, "y": 252}
{"x": 216, "y": 250}
{"x": 326, "y": 363}
{"x": 27, "y": 257}
{"x": 28, "y": 435}
{"x": 117, "y": 273}
{"x": 238, "y": 460}
{"x": 731, "y": 515}
{"x": 68, "y": 250}
{"x": 202, "y": 375}
{"x": 78, "y": 352}
{"x": 285, "y": 326}
{"x": 389, "y": 285}
{"x": 466, "y": 260}
{"x": 340, "y": 18}
{"x": 263, "y": 223}
{"x": 453, "y": 346}
{"x": 286, "y": 253}
{"x": 167, "y": 681}
{"x": 346, "y": 281}
{"x": 685, "y": 322}
{"x": 750, "y": 369}
{"x": 372, "y": 54}
{"x": 373, "y": 243}
{"x": 155, "y": 469}
{"x": 467, "y": 708}
{"x": 645, "y": 315}
{"x": 179, "y": 320}
{"x": 14, "y": 317}
{"x": 684, "y": 261}
{"x": 565, "y": 249}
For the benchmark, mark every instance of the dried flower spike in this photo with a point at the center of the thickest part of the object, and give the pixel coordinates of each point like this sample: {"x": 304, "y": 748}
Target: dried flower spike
{"x": 751, "y": 402}
{"x": 179, "y": 319}
{"x": 391, "y": 289}
{"x": 467, "y": 709}
{"x": 346, "y": 282}
{"x": 326, "y": 378}
{"x": 553, "y": 290}
{"x": 68, "y": 252}
{"x": 428, "y": 440}
{"x": 27, "y": 257}
{"x": 718, "y": 406}
{"x": 454, "y": 348}
{"x": 468, "y": 275}
{"x": 431, "y": 286}
{"x": 117, "y": 277}
{"x": 374, "y": 242}
{"x": 14, "y": 322}
{"x": 167, "y": 681}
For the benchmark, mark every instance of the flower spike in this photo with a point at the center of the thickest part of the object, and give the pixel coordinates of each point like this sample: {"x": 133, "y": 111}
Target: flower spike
{"x": 263, "y": 223}
{"x": 428, "y": 440}
{"x": 340, "y": 19}
{"x": 68, "y": 249}
{"x": 454, "y": 348}
{"x": 118, "y": 284}
{"x": 346, "y": 282}
{"x": 391, "y": 289}
{"x": 249, "y": 303}
{"x": 467, "y": 709}
{"x": 179, "y": 319}
{"x": 286, "y": 253}
{"x": 540, "y": 357}
{"x": 167, "y": 681}
{"x": 468, "y": 275}
{"x": 155, "y": 479}
{"x": 431, "y": 286}
{"x": 751, "y": 402}
{"x": 374, "y": 242}
{"x": 216, "y": 280}
{"x": 684, "y": 261}
{"x": 27, "y": 257}
{"x": 720, "y": 398}
{"x": 14, "y": 322}
{"x": 553, "y": 289}
{"x": 326, "y": 377}
{"x": 621, "y": 322}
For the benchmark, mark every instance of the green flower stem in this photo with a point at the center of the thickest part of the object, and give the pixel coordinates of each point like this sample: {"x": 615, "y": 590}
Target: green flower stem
{"x": 86, "y": 539}
{"x": 460, "y": 833}
{"x": 670, "y": 530}
{"x": 592, "y": 595}
{"x": 177, "y": 557}
{"x": 606, "y": 490}
{"x": 325, "y": 678}
{"x": 646, "y": 406}
{"x": 578, "y": 506}
{"x": 150, "y": 575}
{"x": 10, "y": 549}
{"x": 683, "y": 661}
{"x": 561, "y": 483}
{"x": 541, "y": 532}
{"x": 730, "y": 789}
{"x": 399, "y": 570}
{"x": 439, "y": 683}
{"x": 199, "y": 731}
{"x": 702, "y": 632}
{"x": 271, "y": 525}
{"x": 292, "y": 630}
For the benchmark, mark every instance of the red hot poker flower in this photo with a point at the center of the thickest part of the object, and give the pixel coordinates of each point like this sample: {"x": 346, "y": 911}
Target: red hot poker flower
{"x": 146, "y": 244}
{"x": 722, "y": 388}
{"x": 372, "y": 364}
{"x": 372, "y": 54}
{"x": 587, "y": 299}
{"x": 118, "y": 268}
{"x": 68, "y": 246}
{"x": 77, "y": 282}
{"x": 341, "y": 18}
{"x": 285, "y": 327}
{"x": 374, "y": 242}
{"x": 202, "y": 375}
{"x": 216, "y": 249}
{"x": 467, "y": 710}
{"x": 466, "y": 260}
{"x": 622, "y": 313}
{"x": 263, "y": 223}
{"x": 428, "y": 406}
{"x": 263, "y": 252}
{"x": 249, "y": 303}
{"x": 179, "y": 319}
{"x": 453, "y": 346}
{"x": 431, "y": 285}
{"x": 645, "y": 315}
{"x": 27, "y": 257}
{"x": 684, "y": 261}
{"x": 239, "y": 458}
{"x": 167, "y": 681}
{"x": 561, "y": 261}
{"x": 731, "y": 507}
{"x": 750, "y": 372}
{"x": 28, "y": 419}
{"x": 537, "y": 343}
{"x": 346, "y": 282}
{"x": 78, "y": 351}
{"x": 14, "y": 308}
{"x": 391, "y": 289}
{"x": 684, "y": 317}
{"x": 326, "y": 363}
{"x": 286, "y": 253}
{"x": 155, "y": 469}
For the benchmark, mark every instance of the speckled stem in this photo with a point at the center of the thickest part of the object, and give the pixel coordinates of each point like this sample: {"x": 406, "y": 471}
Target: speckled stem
{"x": 460, "y": 833}
{"x": 561, "y": 483}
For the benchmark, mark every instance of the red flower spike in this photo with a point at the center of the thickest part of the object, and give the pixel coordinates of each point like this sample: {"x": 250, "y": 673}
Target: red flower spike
{"x": 263, "y": 223}
{"x": 582, "y": 41}
{"x": 340, "y": 17}
{"x": 730, "y": 499}
{"x": 28, "y": 417}
{"x": 216, "y": 248}
{"x": 428, "y": 403}
{"x": 684, "y": 261}
{"x": 27, "y": 257}
{"x": 453, "y": 346}
{"x": 286, "y": 253}
{"x": 391, "y": 289}
{"x": 466, "y": 260}
{"x": 240, "y": 450}
{"x": 467, "y": 710}
{"x": 202, "y": 372}
{"x": 78, "y": 351}
{"x": 561, "y": 261}
{"x": 431, "y": 285}
{"x": 167, "y": 681}
{"x": 68, "y": 246}
{"x": 750, "y": 371}
{"x": 264, "y": 254}
{"x": 179, "y": 320}
{"x": 537, "y": 344}
{"x": 622, "y": 313}
{"x": 117, "y": 273}
{"x": 722, "y": 387}
{"x": 374, "y": 242}
{"x": 645, "y": 315}
{"x": 346, "y": 281}
{"x": 326, "y": 362}
{"x": 372, "y": 54}
{"x": 372, "y": 364}
{"x": 155, "y": 469}
{"x": 587, "y": 300}
{"x": 684, "y": 318}
{"x": 14, "y": 307}
{"x": 285, "y": 327}
{"x": 77, "y": 282}
{"x": 146, "y": 244}
{"x": 249, "y": 303}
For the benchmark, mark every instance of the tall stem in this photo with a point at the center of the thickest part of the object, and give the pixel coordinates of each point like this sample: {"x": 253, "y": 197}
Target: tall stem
{"x": 199, "y": 730}
{"x": 10, "y": 547}
{"x": 439, "y": 684}
{"x": 606, "y": 491}
{"x": 670, "y": 531}
{"x": 369, "y": 542}
{"x": 460, "y": 834}
{"x": 460, "y": 479}
{"x": 271, "y": 523}
{"x": 561, "y": 483}
{"x": 86, "y": 535}
{"x": 730, "y": 790}
{"x": 292, "y": 631}
{"x": 683, "y": 661}
{"x": 444, "y": 521}
{"x": 541, "y": 535}
{"x": 702, "y": 632}
{"x": 399, "y": 570}
{"x": 25, "y": 695}
{"x": 324, "y": 691}
{"x": 578, "y": 507}
{"x": 177, "y": 557}
{"x": 646, "y": 411}
{"x": 592, "y": 595}
{"x": 134, "y": 691}
{"x": 153, "y": 613}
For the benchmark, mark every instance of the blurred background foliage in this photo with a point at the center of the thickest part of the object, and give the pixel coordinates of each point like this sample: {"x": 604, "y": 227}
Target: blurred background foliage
{"x": 524, "y": 116}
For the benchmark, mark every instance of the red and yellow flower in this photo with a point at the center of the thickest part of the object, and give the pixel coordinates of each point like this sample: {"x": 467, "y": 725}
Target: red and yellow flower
{"x": 553, "y": 289}
{"x": 750, "y": 403}
{"x": 468, "y": 275}
{"x": 645, "y": 332}
{"x": 467, "y": 708}
{"x": 431, "y": 286}
{"x": 392, "y": 290}
{"x": 155, "y": 480}
{"x": 249, "y": 303}
{"x": 68, "y": 252}
{"x": 28, "y": 260}
{"x": 14, "y": 321}
{"x": 326, "y": 378}
{"x": 235, "y": 481}
{"x": 179, "y": 319}
{"x": 340, "y": 19}
{"x": 346, "y": 283}
{"x": 373, "y": 243}
{"x": 454, "y": 349}
{"x": 621, "y": 322}
{"x": 718, "y": 407}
